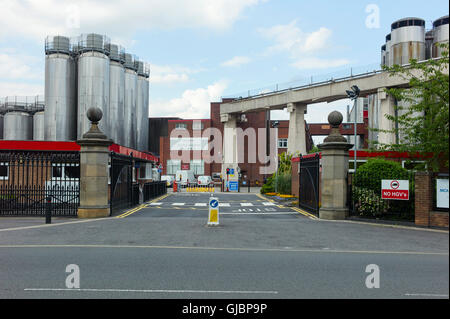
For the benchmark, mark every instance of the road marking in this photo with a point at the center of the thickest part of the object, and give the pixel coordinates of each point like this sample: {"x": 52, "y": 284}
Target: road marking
{"x": 246, "y": 204}
{"x": 154, "y": 204}
{"x": 200, "y": 204}
{"x": 232, "y": 249}
{"x": 156, "y": 290}
{"x": 224, "y": 205}
{"x": 57, "y": 224}
{"x": 134, "y": 210}
{"x": 277, "y": 213}
{"x": 178, "y": 204}
{"x": 301, "y": 211}
{"x": 427, "y": 295}
{"x": 268, "y": 204}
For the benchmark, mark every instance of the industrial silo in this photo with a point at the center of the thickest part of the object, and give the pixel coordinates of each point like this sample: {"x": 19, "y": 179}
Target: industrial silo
{"x": 407, "y": 40}
{"x": 93, "y": 80}
{"x": 383, "y": 55}
{"x": 130, "y": 101}
{"x": 18, "y": 125}
{"x": 1, "y": 126}
{"x": 116, "y": 94}
{"x": 440, "y": 35}
{"x": 388, "y": 50}
{"x": 39, "y": 126}
{"x": 60, "y": 90}
{"x": 142, "y": 106}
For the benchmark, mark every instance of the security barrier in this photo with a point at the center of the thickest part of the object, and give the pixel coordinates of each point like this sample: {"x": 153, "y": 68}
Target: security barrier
{"x": 200, "y": 188}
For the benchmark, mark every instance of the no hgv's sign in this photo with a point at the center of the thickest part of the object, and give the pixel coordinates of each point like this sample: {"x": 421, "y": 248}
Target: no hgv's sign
{"x": 395, "y": 189}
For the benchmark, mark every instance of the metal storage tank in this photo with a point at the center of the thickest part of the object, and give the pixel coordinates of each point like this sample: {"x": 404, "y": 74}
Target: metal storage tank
{"x": 383, "y": 55}
{"x": 18, "y": 126}
{"x": 116, "y": 94}
{"x": 440, "y": 34}
{"x": 39, "y": 126}
{"x": 1, "y": 126}
{"x": 60, "y": 90}
{"x": 130, "y": 101}
{"x": 142, "y": 106}
{"x": 408, "y": 40}
{"x": 429, "y": 44}
{"x": 93, "y": 80}
{"x": 388, "y": 50}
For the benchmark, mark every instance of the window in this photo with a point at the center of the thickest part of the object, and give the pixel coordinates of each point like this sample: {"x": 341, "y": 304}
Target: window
{"x": 282, "y": 143}
{"x": 197, "y": 167}
{"x": 197, "y": 125}
{"x": 181, "y": 126}
{"x": 173, "y": 166}
{"x": 4, "y": 171}
{"x": 145, "y": 171}
{"x": 65, "y": 171}
{"x": 414, "y": 165}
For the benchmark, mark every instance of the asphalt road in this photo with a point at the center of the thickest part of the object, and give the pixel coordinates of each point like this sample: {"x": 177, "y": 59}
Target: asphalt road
{"x": 260, "y": 250}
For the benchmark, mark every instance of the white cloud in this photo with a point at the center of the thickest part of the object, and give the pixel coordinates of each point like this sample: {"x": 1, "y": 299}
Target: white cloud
{"x": 236, "y": 61}
{"x": 117, "y": 18}
{"x": 303, "y": 47}
{"x": 15, "y": 66}
{"x": 168, "y": 74}
{"x": 192, "y": 103}
{"x": 20, "y": 89}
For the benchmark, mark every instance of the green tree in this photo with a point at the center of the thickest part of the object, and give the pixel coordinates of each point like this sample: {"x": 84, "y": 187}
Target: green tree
{"x": 424, "y": 125}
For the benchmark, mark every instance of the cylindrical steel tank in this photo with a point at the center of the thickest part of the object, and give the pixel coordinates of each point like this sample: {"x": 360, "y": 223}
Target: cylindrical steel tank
{"x": 93, "y": 80}
{"x": 388, "y": 50}
{"x": 18, "y": 126}
{"x": 142, "y": 106}
{"x": 440, "y": 34}
{"x": 60, "y": 90}
{"x": 1, "y": 126}
{"x": 383, "y": 55}
{"x": 116, "y": 94}
{"x": 408, "y": 40}
{"x": 39, "y": 126}
{"x": 429, "y": 44}
{"x": 130, "y": 101}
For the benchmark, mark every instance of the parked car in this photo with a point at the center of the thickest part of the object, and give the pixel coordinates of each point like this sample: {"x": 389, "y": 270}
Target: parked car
{"x": 168, "y": 179}
{"x": 185, "y": 177}
{"x": 204, "y": 180}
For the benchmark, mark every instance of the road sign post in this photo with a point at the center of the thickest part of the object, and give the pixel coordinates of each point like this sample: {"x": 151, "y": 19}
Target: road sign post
{"x": 213, "y": 216}
{"x": 395, "y": 189}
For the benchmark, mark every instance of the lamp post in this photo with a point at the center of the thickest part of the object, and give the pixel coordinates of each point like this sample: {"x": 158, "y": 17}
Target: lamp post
{"x": 353, "y": 94}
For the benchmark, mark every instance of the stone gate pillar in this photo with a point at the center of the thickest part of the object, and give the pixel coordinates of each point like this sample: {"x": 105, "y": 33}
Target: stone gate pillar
{"x": 334, "y": 171}
{"x": 94, "y": 157}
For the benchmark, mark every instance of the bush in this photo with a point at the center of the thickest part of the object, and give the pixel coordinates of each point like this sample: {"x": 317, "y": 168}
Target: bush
{"x": 283, "y": 185}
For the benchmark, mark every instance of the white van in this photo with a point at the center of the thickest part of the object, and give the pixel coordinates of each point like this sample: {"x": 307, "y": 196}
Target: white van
{"x": 184, "y": 177}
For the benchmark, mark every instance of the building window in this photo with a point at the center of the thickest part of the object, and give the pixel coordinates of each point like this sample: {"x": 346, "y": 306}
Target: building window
{"x": 414, "y": 165}
{"x": 145, "y": 171}
{"x": 197, "y": 125}
{"x": 181, "y": 126}
{"x": 4, "y": 171}
{"x": 173, "y": 166}
{"x": 65, "y": 171}
{"x": 351, "y": 164}
{"x": 282, "y": 143}
{"x": 197, "y": 166}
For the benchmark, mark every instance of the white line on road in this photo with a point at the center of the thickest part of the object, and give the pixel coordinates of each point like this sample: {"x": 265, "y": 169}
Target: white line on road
{"x": 178, "y": 204}
{"x": 276, "y": 213}
{"x": 154, "y": 290}
{"x": 246, "y": 204}
{"x": 155, "y": 204}
{"x": 224, "y": 204}
{"x": 268, "y": 204}
{"x": 200, "y": 204}
{"x": 427, "y": 295}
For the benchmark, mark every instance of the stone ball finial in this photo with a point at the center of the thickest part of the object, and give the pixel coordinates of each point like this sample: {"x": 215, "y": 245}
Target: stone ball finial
{"x": 335, "y": 118}
{"x": 94, "y": 114}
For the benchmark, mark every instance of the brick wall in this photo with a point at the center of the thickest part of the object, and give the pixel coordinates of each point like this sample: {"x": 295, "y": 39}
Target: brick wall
{"x": 424, "y": 214}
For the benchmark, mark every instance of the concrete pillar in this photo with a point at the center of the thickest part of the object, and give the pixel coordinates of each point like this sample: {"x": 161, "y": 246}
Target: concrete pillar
{"x": 297, "y": 135}
{"x": 334, "y": 172}
{"x": 229, "y": 149}
{"x": 94, "y": 157}
{"x": 387, "y": 106}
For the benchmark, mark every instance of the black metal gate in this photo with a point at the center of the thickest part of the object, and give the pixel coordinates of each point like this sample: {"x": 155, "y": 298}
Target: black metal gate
{"x": 309, "y": 183}
{"x": 31, "y": 181}
{"x": 121, "y": 186}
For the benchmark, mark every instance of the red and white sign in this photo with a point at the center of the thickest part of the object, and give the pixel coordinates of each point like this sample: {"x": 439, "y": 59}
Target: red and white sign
{"x": 395, "y": 189}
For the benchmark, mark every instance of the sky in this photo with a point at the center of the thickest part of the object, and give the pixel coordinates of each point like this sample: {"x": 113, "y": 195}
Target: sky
{"x": 202, "y": 50}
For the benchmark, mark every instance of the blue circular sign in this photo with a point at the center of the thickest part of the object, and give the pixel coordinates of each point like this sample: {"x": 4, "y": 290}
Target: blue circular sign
{"x": 214, "y": 203}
